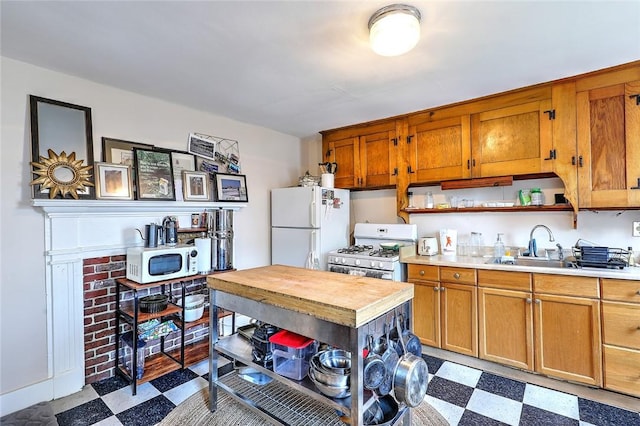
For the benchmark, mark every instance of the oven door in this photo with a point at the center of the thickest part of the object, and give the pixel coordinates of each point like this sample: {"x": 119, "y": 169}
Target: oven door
{"x": 362, "y": 272}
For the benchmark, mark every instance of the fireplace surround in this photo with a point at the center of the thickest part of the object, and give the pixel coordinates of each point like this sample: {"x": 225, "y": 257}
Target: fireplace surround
{"x": 77, "y": 232}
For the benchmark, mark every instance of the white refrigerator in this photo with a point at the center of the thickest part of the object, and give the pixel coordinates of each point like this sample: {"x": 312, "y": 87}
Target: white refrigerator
{"x": 307, "y": 223}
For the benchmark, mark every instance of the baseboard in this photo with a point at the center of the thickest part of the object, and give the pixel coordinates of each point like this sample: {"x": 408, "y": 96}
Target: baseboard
{"x": 22, "y": 398}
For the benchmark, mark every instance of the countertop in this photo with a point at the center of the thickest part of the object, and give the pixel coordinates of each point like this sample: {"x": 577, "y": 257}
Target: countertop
{"x": 408, "y": 255}
{"x": 339, "y": 298}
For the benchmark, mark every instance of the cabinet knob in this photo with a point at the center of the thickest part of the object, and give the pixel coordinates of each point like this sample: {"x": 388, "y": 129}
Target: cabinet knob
{"x": 537, "y": 301}
{"x": 422, "y": 274}
{"x": 638, "y": 292}
{"x": 436, "y": 289}
{"x": 456, "y": 276}
{"x": 528, "y": 300}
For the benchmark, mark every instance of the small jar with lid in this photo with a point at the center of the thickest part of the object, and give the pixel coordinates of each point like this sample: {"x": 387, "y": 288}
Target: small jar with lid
{"x": 537, "y": 198}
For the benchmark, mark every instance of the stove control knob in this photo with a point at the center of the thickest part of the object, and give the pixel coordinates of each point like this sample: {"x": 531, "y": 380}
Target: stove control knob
{"x": 344, "y": 260}
{"x": 357, "y": 262}
{"x": 373, "y": 263}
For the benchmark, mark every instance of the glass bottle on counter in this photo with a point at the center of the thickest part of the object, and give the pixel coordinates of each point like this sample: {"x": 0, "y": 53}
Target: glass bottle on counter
{"x": 498, "y": 247}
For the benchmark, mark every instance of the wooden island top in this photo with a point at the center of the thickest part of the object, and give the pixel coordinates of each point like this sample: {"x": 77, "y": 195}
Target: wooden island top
{"x": 339, "y": 298}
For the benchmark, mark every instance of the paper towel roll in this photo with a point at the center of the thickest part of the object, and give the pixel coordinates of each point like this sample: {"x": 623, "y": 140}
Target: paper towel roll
{"x": 204, "y": 254}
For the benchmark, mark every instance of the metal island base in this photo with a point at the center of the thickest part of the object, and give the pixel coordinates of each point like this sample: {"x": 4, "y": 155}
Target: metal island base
{"x": 336, "y": 309}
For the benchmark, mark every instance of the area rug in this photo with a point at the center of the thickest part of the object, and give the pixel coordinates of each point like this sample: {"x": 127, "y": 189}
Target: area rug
{"x": 195, "y": 411}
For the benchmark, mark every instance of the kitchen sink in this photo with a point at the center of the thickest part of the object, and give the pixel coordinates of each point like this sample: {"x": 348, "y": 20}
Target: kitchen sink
{"x": 536, "y": 262}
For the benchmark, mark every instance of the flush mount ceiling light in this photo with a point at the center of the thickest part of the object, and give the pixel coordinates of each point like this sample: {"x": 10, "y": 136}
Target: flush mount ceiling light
{"x": 394, "y": 29}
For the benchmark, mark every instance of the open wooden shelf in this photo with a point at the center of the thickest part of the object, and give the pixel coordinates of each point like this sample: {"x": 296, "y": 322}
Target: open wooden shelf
{"x": 549, "y": 208}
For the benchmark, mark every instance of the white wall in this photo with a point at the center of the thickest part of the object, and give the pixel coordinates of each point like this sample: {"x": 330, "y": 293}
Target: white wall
{"x": 269, "y": 159}
{"x": 607, "y": 228}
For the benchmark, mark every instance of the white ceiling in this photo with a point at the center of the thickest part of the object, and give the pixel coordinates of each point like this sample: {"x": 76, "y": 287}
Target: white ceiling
{"x": 299, "y": 67}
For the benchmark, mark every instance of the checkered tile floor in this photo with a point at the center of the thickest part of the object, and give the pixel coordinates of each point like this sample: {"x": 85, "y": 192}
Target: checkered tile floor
{"x": 463, "y": 395}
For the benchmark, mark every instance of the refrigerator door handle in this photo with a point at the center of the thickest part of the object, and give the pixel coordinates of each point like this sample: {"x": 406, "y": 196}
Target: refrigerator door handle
{"x": 314, "y": 237}
{"x": 312, "y": 213}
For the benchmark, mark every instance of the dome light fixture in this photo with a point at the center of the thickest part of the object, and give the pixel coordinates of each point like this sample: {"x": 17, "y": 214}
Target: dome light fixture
{"x": 394, "y": 29}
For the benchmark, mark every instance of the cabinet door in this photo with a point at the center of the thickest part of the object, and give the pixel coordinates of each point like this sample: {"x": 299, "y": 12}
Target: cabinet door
{"x": 567, "y": 338}
{"x": 345, "y": 153}
{"x": 426, "y": 312}
{"x": 609, "y": 146}
{"x": 439, "y": 150}
{"x": 505, "y": 322}
{"x": 511, "y": 141}
{"x": 378, "y": 158}
{"x": 459, "y": 318}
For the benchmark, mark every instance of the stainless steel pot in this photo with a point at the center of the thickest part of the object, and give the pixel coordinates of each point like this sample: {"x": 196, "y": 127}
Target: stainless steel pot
{"x": 374, "y": 368}
{"x": 411, "y": 376}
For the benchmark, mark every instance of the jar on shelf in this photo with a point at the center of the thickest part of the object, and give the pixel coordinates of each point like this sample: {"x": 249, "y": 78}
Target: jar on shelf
{"x": 428, "y": 200}
{"x": 537, "y": 198}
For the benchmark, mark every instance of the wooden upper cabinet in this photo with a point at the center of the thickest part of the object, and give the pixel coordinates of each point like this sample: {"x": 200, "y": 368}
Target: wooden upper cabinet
{"x": 512, "y": 141}
{"x": 344, "y": 152}
{"x": 365, "y": 155}
{"x": 439, "y": 150}
{"x": 609, "y": 145}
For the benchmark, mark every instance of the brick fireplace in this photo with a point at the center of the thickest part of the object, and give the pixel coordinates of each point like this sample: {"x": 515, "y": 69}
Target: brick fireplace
{"x": 99, "y": 288}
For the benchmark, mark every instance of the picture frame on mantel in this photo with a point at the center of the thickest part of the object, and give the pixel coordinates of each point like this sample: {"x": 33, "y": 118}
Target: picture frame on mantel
{"x": 195, "y": 186}
{"x": 154, "y": 175}
{"x": 113, "y": 182}
{"x": 230, "y": 188}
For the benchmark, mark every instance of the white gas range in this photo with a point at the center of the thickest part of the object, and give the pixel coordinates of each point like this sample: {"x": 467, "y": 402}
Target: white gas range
{"x": 368, "y": 258}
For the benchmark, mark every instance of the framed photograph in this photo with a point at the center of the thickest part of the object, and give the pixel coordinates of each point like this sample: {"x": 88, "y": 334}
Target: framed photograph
{"x": 154, "y": 177}
{"x": 61, "y": 133}
{"x": 113, "y": 182}
{"x": 195, "y": 186}
{"x": 202, "y": 146}
{"x": 118, "y": 151}
{"x": 232, "y": 188}
{"x": 182, "y": 161}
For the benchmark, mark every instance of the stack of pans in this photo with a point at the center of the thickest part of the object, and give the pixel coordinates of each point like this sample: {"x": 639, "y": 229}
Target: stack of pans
{"x": 330, "y": 370}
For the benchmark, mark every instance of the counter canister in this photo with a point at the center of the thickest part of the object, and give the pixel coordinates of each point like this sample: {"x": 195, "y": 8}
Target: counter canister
{"x": 221, "y": 233}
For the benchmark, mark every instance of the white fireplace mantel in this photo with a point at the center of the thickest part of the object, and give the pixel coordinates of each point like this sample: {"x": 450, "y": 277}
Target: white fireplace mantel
{"x": 83, "y": 229}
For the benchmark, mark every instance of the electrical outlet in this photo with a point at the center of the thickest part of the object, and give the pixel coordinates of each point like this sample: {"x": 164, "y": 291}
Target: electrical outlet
{"x": 636, "y": 229}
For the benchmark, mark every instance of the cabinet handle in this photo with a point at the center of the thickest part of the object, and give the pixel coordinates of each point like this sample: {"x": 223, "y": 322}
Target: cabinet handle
{"x": 580, "y": 162}
{"x": 468, "y": 164}
{"x": 552, "y": 155}
{"x": 637, "y": 186}
{"x": 638, "y": 293}
{"x": 410, "y": 170}
{"x": 637, "y": 98}
{"x": 528, "y": 300}
{"x": 395, "y": 141}
{"x": 456, "y": 276}
{"x": 552, "y": 113}
{"x": 409, "y": 137}
{"x": 421, "y": 273}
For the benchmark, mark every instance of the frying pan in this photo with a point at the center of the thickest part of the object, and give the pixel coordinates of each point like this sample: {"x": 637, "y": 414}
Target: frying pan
{"x": 390, "y": 358}
{"x": 374, "y": 368}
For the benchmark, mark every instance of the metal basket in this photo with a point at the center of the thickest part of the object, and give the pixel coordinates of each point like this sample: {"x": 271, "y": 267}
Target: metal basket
{"x": 601, "y": 257}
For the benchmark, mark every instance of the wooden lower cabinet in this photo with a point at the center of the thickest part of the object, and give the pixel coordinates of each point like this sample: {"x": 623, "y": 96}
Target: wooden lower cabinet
{"x": 459, "y": 318}
{"x": 445, "y": 312}
{"x": 505, "y": 318}
{"x": 567, "y": 328}
{"x": 621, "y": 335}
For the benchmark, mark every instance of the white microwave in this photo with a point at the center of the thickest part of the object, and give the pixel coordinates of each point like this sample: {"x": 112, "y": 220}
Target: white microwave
{"x": 151, "y": 264}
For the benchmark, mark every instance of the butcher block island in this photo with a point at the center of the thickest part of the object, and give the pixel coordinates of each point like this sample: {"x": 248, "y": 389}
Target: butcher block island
{"x": 334, "y": 309}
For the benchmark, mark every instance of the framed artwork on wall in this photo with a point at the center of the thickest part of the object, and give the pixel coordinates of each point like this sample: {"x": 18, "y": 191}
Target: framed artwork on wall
{"x": 154, "y": 176}
{"x": 231, "y": 188}
{"x": 195, "y": 186}
{"x": 113, "y": 182}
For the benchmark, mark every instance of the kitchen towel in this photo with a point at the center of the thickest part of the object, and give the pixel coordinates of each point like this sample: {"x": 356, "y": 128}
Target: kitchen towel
{"x": 204, "y": 254}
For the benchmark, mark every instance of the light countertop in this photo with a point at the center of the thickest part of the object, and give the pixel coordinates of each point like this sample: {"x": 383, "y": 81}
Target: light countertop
{"x": 408, "y": 255}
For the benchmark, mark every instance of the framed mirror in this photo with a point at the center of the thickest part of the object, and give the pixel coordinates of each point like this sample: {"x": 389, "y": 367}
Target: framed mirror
{"x": 61, "y": 127}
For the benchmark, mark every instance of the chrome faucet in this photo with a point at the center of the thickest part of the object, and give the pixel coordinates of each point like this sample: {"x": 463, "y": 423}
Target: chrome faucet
{"x": 532, "y": 245}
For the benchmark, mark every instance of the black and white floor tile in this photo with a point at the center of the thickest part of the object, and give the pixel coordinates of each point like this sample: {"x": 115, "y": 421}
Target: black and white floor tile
{"x": 463, "y": 395}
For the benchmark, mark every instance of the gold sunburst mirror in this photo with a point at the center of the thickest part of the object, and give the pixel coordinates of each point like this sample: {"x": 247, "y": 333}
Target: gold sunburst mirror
{"x": 62, "y": 174}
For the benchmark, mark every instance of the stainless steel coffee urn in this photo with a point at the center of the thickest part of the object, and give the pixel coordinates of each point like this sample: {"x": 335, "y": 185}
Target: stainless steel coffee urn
{"x": 221, "y": 233}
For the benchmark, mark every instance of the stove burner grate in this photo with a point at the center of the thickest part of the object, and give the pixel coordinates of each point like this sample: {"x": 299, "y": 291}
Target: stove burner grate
{"x": 355, "y": 249}
{"x": 384, "y": 253}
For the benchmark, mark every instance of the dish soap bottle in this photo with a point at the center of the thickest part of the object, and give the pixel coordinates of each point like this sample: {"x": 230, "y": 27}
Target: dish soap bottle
{"x": 498, "y": 248}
